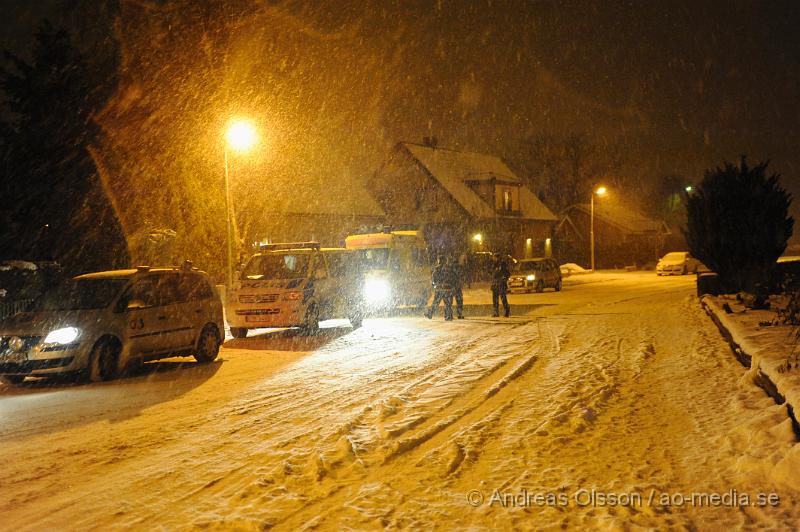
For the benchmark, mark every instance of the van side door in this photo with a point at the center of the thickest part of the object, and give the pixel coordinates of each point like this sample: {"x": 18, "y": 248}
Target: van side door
{"x": 139, "y": 306}
{"x": 175, "y": 327}
{"x": 188, "y": 309}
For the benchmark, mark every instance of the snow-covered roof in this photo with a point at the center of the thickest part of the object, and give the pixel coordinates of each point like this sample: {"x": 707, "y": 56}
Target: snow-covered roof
{"x": 623, "y": 217}
{"x": 317, "y": 195}
{"x": 453, "y": 169}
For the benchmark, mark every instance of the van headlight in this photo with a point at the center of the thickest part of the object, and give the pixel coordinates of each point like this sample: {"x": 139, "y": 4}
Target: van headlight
{"x": 531, "y": 277}
{"x": 377, "y": 290}
{"x": 66, "y": 335}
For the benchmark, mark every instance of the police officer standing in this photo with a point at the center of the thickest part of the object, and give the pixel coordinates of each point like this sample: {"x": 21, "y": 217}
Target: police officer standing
{"x": 442, "y": 278}
{"x": 459, "y": 273}
{"x": 500, "y": 275}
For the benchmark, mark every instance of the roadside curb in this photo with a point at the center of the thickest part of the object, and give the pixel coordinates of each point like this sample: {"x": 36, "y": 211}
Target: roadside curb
{"x": 750, "y": 359}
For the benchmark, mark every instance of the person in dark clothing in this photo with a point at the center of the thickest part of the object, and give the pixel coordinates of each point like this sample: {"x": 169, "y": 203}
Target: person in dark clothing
{"x": 459, "y": 273}
{"x": 442, "y": 278}
{"x": 500, "y": 275}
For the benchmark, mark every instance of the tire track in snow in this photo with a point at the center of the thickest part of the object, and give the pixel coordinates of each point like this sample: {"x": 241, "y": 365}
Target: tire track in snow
{"x": 472, "y": 414}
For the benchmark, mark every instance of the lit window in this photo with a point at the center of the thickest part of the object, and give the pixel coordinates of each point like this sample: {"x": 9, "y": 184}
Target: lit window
{"x": 507, "y": 203}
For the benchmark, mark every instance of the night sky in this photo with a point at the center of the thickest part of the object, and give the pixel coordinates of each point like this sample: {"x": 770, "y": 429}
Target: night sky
{"x": 682, "y": 85}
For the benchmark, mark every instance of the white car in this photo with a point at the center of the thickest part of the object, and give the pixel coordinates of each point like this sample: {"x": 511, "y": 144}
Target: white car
{"x": 98, "y": 323}
{"x": 677, "y": 263}
{"x": 295, "y": 284}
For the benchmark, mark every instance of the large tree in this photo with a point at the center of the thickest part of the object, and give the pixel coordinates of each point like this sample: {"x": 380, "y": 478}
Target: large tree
{"x": 52, "y": 199}
{"x": 738, "y": 223}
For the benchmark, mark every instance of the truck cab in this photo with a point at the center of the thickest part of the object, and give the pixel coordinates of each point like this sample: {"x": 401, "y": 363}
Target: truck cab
{"x": 396, "y": 268}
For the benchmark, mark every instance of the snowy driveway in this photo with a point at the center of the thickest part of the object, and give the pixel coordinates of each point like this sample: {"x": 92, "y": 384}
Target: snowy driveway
{"x": 616, "y": 388}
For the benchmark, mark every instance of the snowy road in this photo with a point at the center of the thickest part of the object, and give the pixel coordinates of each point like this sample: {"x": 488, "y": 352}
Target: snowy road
{"x": 617, "y": 386}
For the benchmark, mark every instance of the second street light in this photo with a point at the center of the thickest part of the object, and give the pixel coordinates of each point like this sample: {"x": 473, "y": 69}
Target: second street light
{"x": 600, "y": 191}
{"x": 241, "y": 136}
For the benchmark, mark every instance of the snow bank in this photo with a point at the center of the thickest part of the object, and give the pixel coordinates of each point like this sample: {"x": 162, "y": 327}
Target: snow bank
{"x": 772, "y": 355}
{"x": 571, "y": 268}
{"x": 17, "y": 265}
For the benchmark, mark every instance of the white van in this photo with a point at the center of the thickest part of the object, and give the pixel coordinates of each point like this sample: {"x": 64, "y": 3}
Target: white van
{"x": 295, "y": 284}
{"x": 396, "y": 268}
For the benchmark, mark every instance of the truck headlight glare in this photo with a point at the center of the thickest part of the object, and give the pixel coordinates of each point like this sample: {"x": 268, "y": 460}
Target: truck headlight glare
{"x": 377, "y": 290}
{"x": 66, "y": 335}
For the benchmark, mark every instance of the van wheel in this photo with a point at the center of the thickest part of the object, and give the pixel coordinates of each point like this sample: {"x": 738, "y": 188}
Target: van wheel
{"x": 685, "y": 270}
{"x": 558, "y": 285}
{"x": 12, "y": 380}
{"x": 311, "y": 321}
{"x": 104, "y": 361}
{"x": 540, "y": 286}
{"x": 239, "y": 332}
{"x": 207, "y": 345}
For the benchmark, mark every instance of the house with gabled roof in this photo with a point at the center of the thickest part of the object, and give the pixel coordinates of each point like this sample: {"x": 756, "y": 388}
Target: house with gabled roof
{"x": 461, "y": 200}
{"x": 622, "y": 235}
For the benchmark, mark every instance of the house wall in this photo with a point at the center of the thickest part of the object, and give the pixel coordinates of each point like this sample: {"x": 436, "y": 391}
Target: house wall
{"x": 510, "y": 236}
{"x": 409, "y": 195}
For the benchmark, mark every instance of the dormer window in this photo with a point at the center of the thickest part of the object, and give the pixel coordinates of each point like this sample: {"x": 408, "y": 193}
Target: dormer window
{"x": 508, "y": 201}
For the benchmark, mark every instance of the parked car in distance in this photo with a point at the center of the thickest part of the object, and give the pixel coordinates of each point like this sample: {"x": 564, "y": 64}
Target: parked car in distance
{"x": 22, "y": 281}
{"x": 535, "y": 274}
{"x": 98, "y": 323}
{"x": 678, "y": 263}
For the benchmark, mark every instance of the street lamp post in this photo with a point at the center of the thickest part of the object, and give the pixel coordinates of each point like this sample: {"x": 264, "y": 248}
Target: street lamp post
{"x": 599, "y": 191}
{"x": 229, "y": 237}
{"x": 240, "y": 136}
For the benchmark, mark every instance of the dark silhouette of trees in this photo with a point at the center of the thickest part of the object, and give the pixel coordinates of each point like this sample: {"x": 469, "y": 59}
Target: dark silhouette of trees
{"x": 738, "y": 223}
{"x": 53, "y": 203}
{"x": 563, "y": 170}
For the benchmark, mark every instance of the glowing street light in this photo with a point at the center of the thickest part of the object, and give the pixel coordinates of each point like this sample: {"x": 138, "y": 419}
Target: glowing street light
{"x": 241, "y": 136}
{"x": 477, "y": 237}
{"x": 688, "y": 189}
{"x": 600, "y": 191}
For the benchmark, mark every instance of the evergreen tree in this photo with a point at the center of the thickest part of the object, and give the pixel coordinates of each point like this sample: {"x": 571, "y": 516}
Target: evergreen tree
{"x": 738, "y": 223}
{"x": 52, "y": 200}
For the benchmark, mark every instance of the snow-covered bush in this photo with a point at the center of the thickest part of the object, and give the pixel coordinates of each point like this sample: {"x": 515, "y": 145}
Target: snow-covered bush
{"x": 738, "y": 224}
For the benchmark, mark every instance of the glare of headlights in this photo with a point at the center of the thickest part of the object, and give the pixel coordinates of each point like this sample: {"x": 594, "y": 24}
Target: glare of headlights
{"x": 67, "y": 335}
{"x": 531, "y": 277}
{"x": 377, "y": 290}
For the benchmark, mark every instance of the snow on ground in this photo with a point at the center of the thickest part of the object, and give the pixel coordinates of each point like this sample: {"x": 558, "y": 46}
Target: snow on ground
{"x": 774, "y": 352}
{"x": 618, "y": 384}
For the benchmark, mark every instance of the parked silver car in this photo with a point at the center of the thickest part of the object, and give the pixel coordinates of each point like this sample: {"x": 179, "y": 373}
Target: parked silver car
{"x": 535, "y": 274}
{"x": 98, "y": 323}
